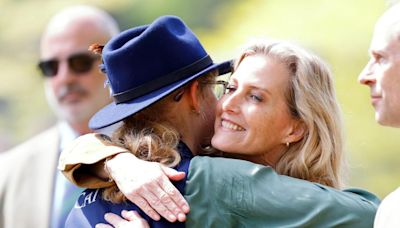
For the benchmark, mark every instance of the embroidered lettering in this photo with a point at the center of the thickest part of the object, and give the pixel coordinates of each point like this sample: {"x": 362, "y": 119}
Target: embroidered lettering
{"x": 86, "y": 198}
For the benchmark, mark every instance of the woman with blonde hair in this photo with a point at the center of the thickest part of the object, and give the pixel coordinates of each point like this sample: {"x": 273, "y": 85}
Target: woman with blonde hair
{"x": 268, "y": 116}
{"x": 316, "y": 154}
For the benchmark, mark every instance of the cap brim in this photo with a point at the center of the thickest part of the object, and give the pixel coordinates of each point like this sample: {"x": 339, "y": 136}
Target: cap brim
{"x": 114, "y": 113}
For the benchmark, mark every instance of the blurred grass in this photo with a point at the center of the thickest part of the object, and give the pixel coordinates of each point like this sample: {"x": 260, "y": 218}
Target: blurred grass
{"x": 339, "y": 31}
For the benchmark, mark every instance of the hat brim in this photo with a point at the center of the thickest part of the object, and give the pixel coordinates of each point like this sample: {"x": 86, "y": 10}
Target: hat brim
{"x": 114, "y": 113}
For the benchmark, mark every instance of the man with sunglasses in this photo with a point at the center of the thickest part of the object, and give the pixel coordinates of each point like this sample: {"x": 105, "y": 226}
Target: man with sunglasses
{"x": 32, "y": 193}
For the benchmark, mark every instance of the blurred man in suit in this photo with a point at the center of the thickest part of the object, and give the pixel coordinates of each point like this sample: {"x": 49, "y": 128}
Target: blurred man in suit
{"x": 32, "y": 192}
{"x": 382, "y": 75}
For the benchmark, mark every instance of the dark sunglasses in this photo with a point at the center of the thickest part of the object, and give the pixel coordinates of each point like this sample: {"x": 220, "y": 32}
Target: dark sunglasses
{"x": 78, "y": 63}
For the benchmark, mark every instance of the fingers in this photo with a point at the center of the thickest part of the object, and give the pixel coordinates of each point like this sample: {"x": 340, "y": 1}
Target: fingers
{"x": 116, "y": 220}
{"x": 129, "y": 219}
{"x": 172, "y": 174}
{"x": 145, "y": 206}
{"x": 160, "y": 197}
{"x": 102, "y": 225}
{"x": 169, "y": 208}
{"x": 172, "y": 199}
{"x": 134, "y": 216}
{"x": 154, "y": 196}
{"x": 149, "y": 188}
{"x": 130, "y": 215}
{"x": 170, "y": 189}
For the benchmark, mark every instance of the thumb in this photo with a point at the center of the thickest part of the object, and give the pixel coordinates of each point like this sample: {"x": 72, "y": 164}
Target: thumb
{"x": 172, "y": 174}
{"x": 102, "y": 225}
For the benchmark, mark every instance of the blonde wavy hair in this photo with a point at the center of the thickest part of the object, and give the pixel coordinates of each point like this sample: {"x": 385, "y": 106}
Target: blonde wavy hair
{"x": 311, "y": 98}
{"x": 151, "y": 135}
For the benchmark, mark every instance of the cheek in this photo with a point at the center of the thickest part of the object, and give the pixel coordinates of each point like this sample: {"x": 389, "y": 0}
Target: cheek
{"x": 259, "y": 119}
{"x": 272, "y": 125}
{"x": 53, "y": 85}
{"x": 209, "y": 108}
{"x": 210, "y": 117}
{"x": 263, "y": 133}
{"x": 49, "y": 88}
{"x": 218, "y": 107}
{"x": 93, "y": 82}
{"x": 388, "y": 82}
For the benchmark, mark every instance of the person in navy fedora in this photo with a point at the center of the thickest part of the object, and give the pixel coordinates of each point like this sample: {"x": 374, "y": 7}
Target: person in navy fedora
{"x": 162, "y": 83}
{"x": 154, "y": 72}
{"x": 147, "y": 63}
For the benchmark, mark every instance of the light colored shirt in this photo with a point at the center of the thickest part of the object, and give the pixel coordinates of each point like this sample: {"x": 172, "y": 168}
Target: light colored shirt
{"x": 65, "y": 193}
{"x": 388, "y": 214}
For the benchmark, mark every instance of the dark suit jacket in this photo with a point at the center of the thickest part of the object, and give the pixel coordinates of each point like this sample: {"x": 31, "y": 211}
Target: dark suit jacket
{"x": 27, "y": 181}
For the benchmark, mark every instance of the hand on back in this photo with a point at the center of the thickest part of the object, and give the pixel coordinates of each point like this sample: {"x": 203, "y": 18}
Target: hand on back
{"x": 129, "y": 219}
{"x": 147, "y": 185}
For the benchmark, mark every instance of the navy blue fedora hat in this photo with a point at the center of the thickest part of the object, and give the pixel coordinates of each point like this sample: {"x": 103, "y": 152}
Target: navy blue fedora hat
{"x": 146, "y": 63}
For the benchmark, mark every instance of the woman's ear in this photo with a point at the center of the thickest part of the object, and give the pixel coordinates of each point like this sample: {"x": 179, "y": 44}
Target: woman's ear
{"x": 296, "y": 133}
{"x": 194, "y": 96}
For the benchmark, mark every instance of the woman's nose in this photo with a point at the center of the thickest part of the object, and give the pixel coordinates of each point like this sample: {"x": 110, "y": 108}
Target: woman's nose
{"x": 231, "y": 102}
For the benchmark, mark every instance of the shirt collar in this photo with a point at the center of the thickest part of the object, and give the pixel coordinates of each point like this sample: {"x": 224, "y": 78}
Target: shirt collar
{"x": 67, "y": 134}
{"x": 184, "y": 150}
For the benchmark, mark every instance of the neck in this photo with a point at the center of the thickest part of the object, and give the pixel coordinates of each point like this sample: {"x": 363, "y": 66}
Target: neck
{"x": 189, "y": 140}
{"x": 267, "y": 159}
{"x": 80, "y": 128}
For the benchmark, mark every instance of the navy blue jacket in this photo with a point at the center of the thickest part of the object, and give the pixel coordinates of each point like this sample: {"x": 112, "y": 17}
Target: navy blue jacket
{"x": 90, "y": 208}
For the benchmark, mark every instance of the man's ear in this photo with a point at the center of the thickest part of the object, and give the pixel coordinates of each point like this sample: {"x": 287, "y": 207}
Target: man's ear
{"x": 194, "y": 96}
{"x": 296, "y": 132}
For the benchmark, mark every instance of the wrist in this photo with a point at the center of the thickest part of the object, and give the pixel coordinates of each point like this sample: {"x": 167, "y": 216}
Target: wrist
{"x": 106, "y": 169}
{"x": 114, "y": 162}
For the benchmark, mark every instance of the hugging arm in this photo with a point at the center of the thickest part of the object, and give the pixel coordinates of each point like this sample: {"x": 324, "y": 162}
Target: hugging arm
{"x": 231, "y": 192}
{"x": 144, "y": 183}
{"x": 234, "y": 192}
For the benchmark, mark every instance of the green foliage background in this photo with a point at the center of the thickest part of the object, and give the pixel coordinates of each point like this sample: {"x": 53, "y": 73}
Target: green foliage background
{"x": 339, "y": 31}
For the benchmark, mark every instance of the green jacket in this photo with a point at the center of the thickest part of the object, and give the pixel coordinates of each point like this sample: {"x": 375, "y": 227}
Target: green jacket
{"x": 234, "y": 193}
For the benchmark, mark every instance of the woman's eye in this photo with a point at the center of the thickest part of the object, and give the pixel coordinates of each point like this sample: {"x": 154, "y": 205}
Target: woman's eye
{"x": 256, "y": 98}
{"x": 230, "y": 89}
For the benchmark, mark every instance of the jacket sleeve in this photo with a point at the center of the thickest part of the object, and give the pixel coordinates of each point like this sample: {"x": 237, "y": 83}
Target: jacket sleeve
{"x": 81, "y": 155}
{"x": 234, "y": 193}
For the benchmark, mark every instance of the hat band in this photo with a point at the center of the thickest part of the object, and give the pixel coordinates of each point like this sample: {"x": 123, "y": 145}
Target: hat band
{"x": 153, "y": 85}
